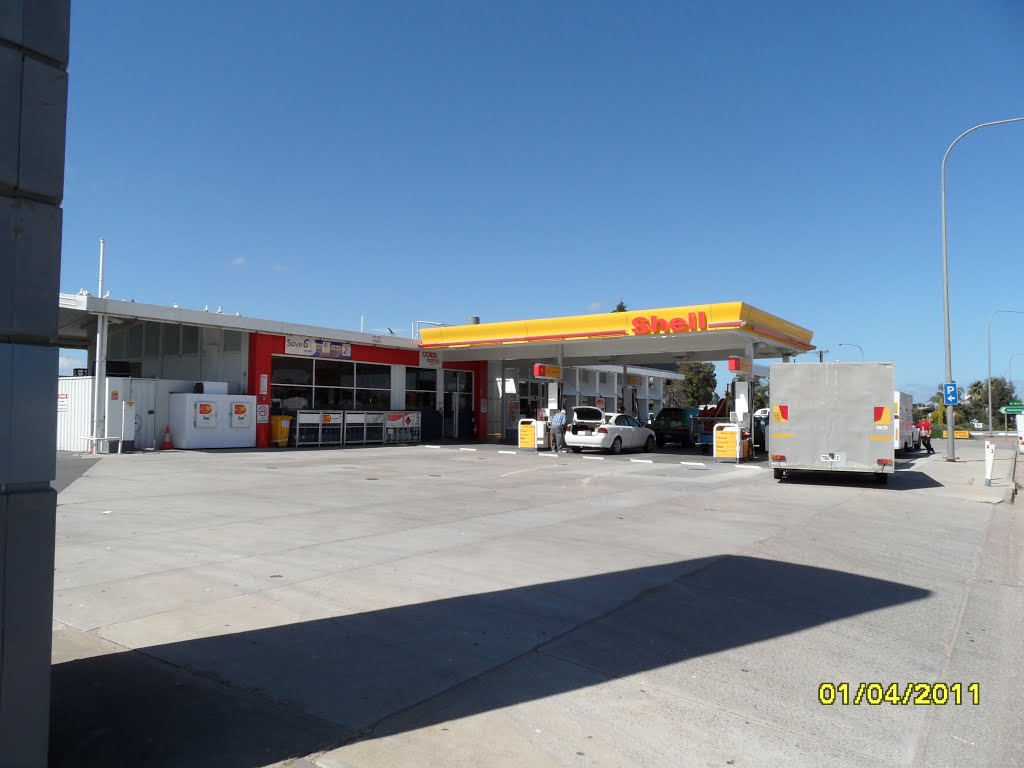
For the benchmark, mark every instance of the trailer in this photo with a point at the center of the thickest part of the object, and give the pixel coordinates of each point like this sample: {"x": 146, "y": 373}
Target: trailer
{"x": 832, "y": 417}
{"x": 906, "y": 436}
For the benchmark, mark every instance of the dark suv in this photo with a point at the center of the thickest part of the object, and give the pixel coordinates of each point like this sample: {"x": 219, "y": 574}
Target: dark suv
{"x": 672, "y": 425}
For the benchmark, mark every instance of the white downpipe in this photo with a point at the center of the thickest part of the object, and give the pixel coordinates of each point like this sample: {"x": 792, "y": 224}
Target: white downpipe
{"x": 99, "y": 379}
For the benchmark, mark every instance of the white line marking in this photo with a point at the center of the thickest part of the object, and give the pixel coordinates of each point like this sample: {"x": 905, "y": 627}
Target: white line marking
{"x": 594, "y": 458}
{"x": 534, "y": 468}
{"x": 642, "y": 461}
{"x": 467, "y": 449}
{"x": 549, "y": 455}
{"x": 431, "y": 446}
{"x": 746, "y": 466}
{"x": 693, "y": 464}
{"x": 510, "y": 453}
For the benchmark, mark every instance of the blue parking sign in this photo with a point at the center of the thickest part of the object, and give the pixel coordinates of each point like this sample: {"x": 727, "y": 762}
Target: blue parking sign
{"x": 950, "y": 394}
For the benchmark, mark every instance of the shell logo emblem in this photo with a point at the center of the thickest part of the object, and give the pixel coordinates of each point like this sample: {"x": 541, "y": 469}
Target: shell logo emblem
{"x": 205, "y": 409}
{"x": 240, "y": 409}
{"x": 326, "y": 418}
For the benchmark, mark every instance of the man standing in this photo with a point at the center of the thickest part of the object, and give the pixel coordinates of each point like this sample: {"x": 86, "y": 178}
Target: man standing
{"x": 558, "y": 432}
{"x": 925, "y": 425}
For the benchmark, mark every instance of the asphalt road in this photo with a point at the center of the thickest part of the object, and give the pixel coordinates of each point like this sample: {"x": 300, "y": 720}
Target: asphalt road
{"x": 448, "y": 606}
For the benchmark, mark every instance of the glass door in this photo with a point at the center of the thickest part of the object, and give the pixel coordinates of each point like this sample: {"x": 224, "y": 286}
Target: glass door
{"x": 458, "y": 405}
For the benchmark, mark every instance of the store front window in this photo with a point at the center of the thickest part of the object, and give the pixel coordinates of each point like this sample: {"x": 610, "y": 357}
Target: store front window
{"x": 421, "y": 389}
{"x": 328, "y": 385}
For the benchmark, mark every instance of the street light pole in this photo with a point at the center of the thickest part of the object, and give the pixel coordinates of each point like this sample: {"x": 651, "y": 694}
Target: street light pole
{"x": 858, "y": 346}
{"x": 950, "y": 416}
{"x": 993, "y": 314}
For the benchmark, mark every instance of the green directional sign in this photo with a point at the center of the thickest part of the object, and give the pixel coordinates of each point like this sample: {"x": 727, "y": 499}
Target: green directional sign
{"x": 1013, "y": 408}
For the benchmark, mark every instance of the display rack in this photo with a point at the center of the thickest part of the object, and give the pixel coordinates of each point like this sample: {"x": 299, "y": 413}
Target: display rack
{"x": 318, "y": 428}
{"x": 364, "y": 427}
{"x": 403, "y": 427}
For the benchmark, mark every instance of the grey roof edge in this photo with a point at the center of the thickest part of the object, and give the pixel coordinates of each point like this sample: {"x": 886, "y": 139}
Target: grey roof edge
{"x": 153, "y": 312}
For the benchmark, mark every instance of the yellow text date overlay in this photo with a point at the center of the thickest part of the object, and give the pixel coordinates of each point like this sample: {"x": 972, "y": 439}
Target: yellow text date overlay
{"x": 912, "y": 694}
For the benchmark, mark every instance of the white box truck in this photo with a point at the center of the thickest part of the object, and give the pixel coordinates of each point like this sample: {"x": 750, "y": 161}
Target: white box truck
{"x": 906, "y": 436}
{"x": 832, "y": 417}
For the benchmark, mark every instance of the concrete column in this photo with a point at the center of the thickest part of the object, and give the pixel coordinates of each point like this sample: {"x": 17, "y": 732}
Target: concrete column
{"x": 34, "y": 37}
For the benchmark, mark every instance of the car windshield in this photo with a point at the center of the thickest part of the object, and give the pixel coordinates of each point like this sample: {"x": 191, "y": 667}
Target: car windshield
{"x": 670, "y": 413}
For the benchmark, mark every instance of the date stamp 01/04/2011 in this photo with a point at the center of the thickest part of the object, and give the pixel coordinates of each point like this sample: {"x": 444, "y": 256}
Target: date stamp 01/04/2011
{"x": 913, "y": 694}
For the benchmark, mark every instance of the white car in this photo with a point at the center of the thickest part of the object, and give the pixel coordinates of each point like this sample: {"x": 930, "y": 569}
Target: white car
{"x": 593, "y": 428}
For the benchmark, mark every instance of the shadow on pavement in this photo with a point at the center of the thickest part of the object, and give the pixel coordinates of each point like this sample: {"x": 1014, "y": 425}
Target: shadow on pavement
{"x": 903, "y": 479}
{"x": 257, "y": 697}
{"x": 70, "y": 467}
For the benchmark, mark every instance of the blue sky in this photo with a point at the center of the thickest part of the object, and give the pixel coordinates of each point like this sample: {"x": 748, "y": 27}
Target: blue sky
{"x": 323, "y": 162}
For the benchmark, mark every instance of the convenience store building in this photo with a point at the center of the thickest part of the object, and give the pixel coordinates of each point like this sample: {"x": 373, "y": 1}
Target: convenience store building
{"x": 469, "y": 382}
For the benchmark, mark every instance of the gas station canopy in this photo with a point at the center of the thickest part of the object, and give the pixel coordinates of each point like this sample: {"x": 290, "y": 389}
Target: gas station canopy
{"x": 670, "y": 334}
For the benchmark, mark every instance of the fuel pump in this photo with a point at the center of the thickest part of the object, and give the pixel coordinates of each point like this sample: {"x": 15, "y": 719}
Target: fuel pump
{"x": 742, "y": 397}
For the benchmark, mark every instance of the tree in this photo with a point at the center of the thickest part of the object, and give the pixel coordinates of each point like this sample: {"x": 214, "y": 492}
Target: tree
{"x": 760, "y": 393}
{"x": 976, "y": 401}
{"x": 697, "y": 386}
{"x": 620, "y": 307}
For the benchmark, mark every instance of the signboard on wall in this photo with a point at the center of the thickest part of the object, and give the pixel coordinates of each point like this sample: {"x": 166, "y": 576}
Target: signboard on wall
{"x": 240, "y": 416}
{"x": 430, "y": 359}
{"x": 542, "y": 371}
{"x": 741, "y": 364}
{"x": 513, "y": 411}
{"x": 310, "y": 347}
{"x": 206, "y": 414}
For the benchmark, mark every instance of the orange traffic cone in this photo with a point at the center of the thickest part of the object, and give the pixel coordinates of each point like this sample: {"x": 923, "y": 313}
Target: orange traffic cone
{"x": 167, "y": 440}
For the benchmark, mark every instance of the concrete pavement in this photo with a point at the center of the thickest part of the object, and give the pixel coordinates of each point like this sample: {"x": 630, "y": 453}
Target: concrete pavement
{"x": 417, "y": 606}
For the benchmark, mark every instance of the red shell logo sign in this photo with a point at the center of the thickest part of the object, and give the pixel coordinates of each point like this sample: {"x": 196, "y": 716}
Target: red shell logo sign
{"x": 240, "y": 409}
{"x": 205, "y": 409}
{"x": 326, "y": 418}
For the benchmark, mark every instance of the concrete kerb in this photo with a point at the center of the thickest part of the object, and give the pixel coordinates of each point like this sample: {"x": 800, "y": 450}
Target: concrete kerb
{"x": 1013, "y": 474}
{"x": 966, "y": 476}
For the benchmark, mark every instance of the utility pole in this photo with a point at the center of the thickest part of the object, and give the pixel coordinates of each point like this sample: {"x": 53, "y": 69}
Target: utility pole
{"x": 821, "y": 355}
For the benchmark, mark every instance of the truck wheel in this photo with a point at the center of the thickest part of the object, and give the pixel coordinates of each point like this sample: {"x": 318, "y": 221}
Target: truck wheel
{"x": 577, "y": 449}
{"x": 917, "y": 446}
{"x": 881, "y": 478}
{"x": 777, "y": 474}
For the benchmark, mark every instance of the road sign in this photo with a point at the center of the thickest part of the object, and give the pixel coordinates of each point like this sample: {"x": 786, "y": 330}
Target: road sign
{"x": 1013, "y": 408}
{"x": 950, "y": 395}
